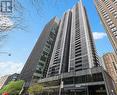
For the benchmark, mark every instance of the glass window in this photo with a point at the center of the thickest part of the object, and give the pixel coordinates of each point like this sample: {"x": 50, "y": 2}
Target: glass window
{"x": 43, "y": 58}
{"x": 97, "y": 77}
{"x": 68, "y": 80}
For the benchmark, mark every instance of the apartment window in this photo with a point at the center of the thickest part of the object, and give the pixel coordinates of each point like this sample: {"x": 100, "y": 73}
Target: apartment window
{"x": 78, "y": 69}
{"x": 109, "y": 6}
{"x": 41, "y": 64}
{"x": 115, "y": 1}
{"x": 71, "y": 68}
{"x": 56, "y": 57}
{"x": 112, "y": 25}
{"x": 56, "y": 61}
{"x": 53, "y": 30}
{"x": 106, "y": 1}
{"x": 77, "y": 50}
{"x": 45, "y": 53}
{"x": 116, "y": 37}
{"x": 77, "y": 33}
{"x": 79, "y": 54}
{"x": 109, "y": 23}
{"x": 105, "y": 13}
{"x": 78, "y": 47}
{"x": 111, "y": 9}
{"x": 77, "y": 44}
{"x": 52, "y": 35}
{"x": 115, "y": 33}
{"x": 79, "y": 65}
{"x": 78, "y": 41}
{"x": 78, "y": 58}
{"x": 68, "y": 80}
{"x": 78, "y": 61}
{"x": 36, "y": 77}
{"x": 116, "y": 16}
{"x": 77, "y": 37}
{"x": 46, "y": 49}
{"x": 107, "y": 17}
{"x": 115, "y": 13}
{"x": 38, "y": 71}
{"x": 114, "y": 29}
{"x": 108, "y": 20}
{"x": 102, "y": 10}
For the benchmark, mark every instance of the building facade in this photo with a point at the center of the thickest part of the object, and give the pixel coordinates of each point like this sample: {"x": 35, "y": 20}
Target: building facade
{"x": 110, "y": 60}
{"x": 74, "y": 67}
{"x": 64, "y": 59}
{"x": 4, "y": 80}
{"x": 12, "y": 77}
{"x": 107, "y": 10}
{"x": 39, "y": 59}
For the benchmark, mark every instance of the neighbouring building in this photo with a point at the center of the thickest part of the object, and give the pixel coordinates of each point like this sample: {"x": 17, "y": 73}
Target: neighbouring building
{"x": 39, "y": 59}
{"x": 110, "y": 60}
{"x": 4, "y": 80}
{"x": 107, "y": 10}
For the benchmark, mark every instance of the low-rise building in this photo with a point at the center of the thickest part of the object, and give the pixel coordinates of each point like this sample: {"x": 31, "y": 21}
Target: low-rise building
{"x": 4, "y": 80}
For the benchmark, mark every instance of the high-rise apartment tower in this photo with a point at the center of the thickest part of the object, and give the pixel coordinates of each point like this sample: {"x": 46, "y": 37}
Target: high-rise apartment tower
{"x": 74, "y": 67}
{"x": 39, "y": 59}
{"x": 107, "y": 10}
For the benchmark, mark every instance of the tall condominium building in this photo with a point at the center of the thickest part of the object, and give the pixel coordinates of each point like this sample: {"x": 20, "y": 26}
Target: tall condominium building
{"x": 107, "y": 10}
{"x": 74, "y": 48}
{"x": 101, "y": 62}
{"x": 74, "y": 67}
{"x": 110, "y": 60}
{"x": 39, "y": 59}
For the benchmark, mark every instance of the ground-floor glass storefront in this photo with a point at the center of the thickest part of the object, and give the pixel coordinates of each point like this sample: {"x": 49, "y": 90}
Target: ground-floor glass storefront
{"x": 89, "y": 90}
